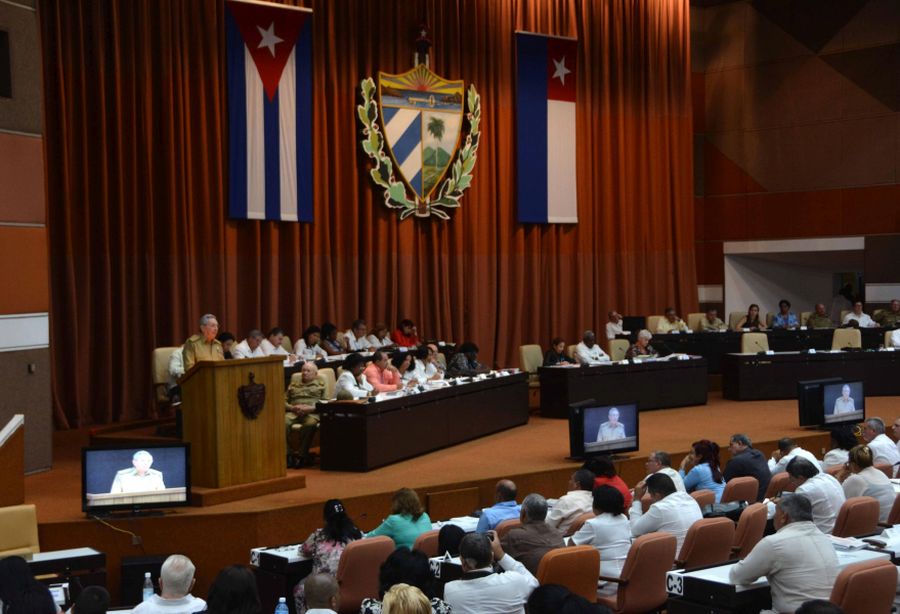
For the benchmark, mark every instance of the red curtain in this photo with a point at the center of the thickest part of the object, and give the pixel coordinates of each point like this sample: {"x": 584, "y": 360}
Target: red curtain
{"x": 136, "y": 170}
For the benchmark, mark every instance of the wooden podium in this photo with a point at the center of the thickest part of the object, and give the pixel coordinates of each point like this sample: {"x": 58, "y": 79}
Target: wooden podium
{"x": 227, "y": 447}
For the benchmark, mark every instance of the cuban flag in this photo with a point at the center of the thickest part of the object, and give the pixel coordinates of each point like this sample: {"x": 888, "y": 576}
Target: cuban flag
{"x": 545, "y": 129}
{"x": 269, "y": 64}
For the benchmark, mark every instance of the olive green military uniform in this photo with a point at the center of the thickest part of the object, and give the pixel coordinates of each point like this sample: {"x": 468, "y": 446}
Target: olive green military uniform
{"x": 817, "y": 321}
{"x": 710, "y": 327}
{"x": 197, "y": 348}
{"x": 300, "y": 393}
{"x": 888, "y": 318}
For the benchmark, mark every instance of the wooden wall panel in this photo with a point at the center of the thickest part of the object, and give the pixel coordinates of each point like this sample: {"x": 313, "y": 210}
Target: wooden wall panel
{"x": 12, "y": 478}
{"x": 22, "y": 178}
{"x": 24, "y": 270}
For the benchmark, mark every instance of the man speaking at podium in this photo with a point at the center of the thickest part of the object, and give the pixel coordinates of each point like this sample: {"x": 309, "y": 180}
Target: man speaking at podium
{"x": 204, "y": 346}
{"x": 140, "y": 477}
{"x": 612, "y": 429}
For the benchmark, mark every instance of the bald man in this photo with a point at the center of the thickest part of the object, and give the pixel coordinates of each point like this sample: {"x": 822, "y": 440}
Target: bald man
{"x": 505, "y": 507}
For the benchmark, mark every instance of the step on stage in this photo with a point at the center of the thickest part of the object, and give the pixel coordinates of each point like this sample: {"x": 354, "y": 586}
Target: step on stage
{"x": 451, "y": 482}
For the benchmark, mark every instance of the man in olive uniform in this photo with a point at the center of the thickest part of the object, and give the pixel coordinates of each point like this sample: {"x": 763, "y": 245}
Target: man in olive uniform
{"x": 204, "y": 346}
{"x": 819, "y": 319}
{"x": 890, "y": 318}
{"x": 140, "y": 477}
{"x": 300, "y": 412}
{"x": 612, "y": 429}
{"x": 711, "y": 323}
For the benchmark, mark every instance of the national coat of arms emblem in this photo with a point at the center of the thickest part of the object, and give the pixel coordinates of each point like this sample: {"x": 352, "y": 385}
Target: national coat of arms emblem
{"x": 413, "y": 127}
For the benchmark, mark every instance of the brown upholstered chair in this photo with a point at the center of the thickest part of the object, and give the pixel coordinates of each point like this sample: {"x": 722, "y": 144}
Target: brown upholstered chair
{"x": 578, "y": 523}
{"x": 751, "y": 343}
{"x": 642, "y": 585}
{"x": 708, "y": 541}
{"x": 886, "y": 469}
{"x": 741, "y": 489}
{"x": 357, "y": 572}
{"x": 780, "y": 482}
{"x": 750, "y": 529}
{"x": 863, "y": 588}
{"x": 575, "y": 567}
{"x": 504, "y": 527}
{"x": 894, "y": 516}
{"x": 704, "y": 497}
{"x": 530, "y": 358}
{"x": 18, "y": 530}
{"x": 858, "y": 516}
{"x": 427, "y": 542}
{"x": 846, "y": 338}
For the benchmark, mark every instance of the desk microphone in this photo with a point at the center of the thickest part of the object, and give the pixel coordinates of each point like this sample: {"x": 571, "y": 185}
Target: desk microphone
{"x": 762, "y": 350}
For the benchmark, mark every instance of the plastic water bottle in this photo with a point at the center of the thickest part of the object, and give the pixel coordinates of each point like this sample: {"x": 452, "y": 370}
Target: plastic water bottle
{"x": 148, "y": 591}
{"x": 281, "y": 608}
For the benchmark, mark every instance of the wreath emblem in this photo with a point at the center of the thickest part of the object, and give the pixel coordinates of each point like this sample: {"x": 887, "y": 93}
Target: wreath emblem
{"x": 406, "y": 122}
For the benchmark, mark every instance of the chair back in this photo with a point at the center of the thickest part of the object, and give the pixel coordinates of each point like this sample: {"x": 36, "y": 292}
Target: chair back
{"x": 886, "y": 469}
{"x": 804, "y": 316}
{"x": 887, "y": 338}
{"x": 504, "y": 527}
{"x": 865, "y": 587}
{"x": 442, "y": 360}
{"x": 780, "y": 482}
{"x": 160, "y": 371}
{"x": 576, "y": 568}
{"x": 327, "y": 374}
{"x": 693, "y": 321}
{"x": 750, "y": 528}
{"x": 858, "y": 516}
{"x": 751, "y": 343}
{"x": 651, "y": 556}
{"x": 770, "y": 317}
{"x": 653, "y": 323}
{"x": 287, "y": 345}
{"x": 578, "y": 523}
{"x": 734, "y": 317}
{"x": 704, "y": 497}
{"x": 741, "y": 489}
{"x": 844, "y": 313}
{"x": 570, "y": 350}
{"x": 708, "y": 541}
{"x": 894, "y": 516}
{"x": 18, "y": 530}
{"x": 530, "y": 358}
{"x": 427, "y": 542}
{"x": 617, "y": 348}
{"x": 357, "y": 572}
{"x": 846, "y": 338}
{"x": 341, "y": 339}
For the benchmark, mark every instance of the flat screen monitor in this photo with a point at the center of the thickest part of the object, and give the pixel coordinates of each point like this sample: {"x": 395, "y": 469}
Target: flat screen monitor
{"x": 135, "y": 478}
{"x": 596, "y": 429}
{"x": 843, "y": 402}
{"x": 809, "y": 400}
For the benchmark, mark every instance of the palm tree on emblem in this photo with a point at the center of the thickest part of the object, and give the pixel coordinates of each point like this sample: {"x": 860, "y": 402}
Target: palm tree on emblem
{"x": 436, "y": 158}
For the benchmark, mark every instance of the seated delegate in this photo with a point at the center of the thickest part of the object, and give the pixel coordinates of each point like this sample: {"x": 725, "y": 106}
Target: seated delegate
{"x": 641, "y": 348}
{"x": 751, "y": 321}
{"x": 711, "y": 323}
{"x": 465, "y": 362}
{"x": 671, "y": 323}
{"x": 556, "y": 355}
{"x": 785, "y": 319}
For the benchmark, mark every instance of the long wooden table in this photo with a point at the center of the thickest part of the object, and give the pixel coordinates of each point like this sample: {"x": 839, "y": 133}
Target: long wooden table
{"x": 714, "y": 346}
{"x": 653, "y": 384}
{"x": 752, "y": 377}
{"x": 363, "y": 436}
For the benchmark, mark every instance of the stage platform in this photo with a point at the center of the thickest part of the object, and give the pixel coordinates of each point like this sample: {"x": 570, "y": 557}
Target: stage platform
{"x": 451, "y": 482}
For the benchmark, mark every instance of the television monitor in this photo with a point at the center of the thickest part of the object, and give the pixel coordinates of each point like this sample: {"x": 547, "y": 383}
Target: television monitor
{"x": 809, "y": 400}
{"x": 843, "y": 402}
{"x": 135, "y": 478}
{"x": 596, "y": 429}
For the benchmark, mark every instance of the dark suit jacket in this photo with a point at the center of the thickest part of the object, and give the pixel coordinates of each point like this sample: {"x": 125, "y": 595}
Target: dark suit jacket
{"x": 750, "y": 463}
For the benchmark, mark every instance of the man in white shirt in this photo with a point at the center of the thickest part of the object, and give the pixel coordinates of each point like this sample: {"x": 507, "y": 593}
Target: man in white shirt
{"x": 321, "y": 592}
{"x": 798, "y": 561}
{"x": 862, "y": 319}
{"x": 896, "y": 429}
{"x": 884, "y": 451}
{"x": 251, "y": 347}
{"x": 614, "y": 326}
{"x": 824, "y": 492}
{"x": 355, "y": 339}
{"x": 660, "y": 462}
{"x": 588, "y": 352}
{"x": 176, "y": 579}
{"x": 481, "y": 590}
{"x": 271, "y": 345}
{"x": 578, "y": 500}
{"x": 786, "y": 452}
{"x": 670, "y": 511}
